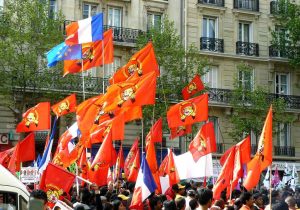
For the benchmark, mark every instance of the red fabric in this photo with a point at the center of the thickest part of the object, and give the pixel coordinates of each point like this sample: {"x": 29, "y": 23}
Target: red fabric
{"x": 14, "y": 162}
{"x": 136, "y": 202}
{"x": 193, "y": 87}
{"x": 65, "y": 158}
{"x": 142, "y": 62}
{"x": 130, "y": 157}
{"x": 188, "y": 112}
{"x": 5, "y": 156}
{"x": 162, "y": 168}
{"x": 55, "y": 180}
{"x": 263, "y": 157}
{"x": 204, "y": 142}
{"x": 151, "y": 156}
{"x": 119, "y": 163}
{"x": 35, "y": 119}
{"x": 106, "y": 155}
{"x": 93, "y": 55}
{"x": 170, "y": 194}
{"x": 136, "y": 91}
{"x": 98, "y": 175}
{"x": 180, "y": 131}
{"x": 171, "y": 170}
{"x": 65, "y": 106}
{"x": 155, "y": 133}
{"x": 134, "y": 168}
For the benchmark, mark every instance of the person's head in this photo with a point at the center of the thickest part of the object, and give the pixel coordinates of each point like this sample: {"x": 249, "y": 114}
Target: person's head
{"x": 193, "y": 204}
{"x": 247, "y": 199}
{"x": 191, "y": 193}
{"x": 41, "y": 195}
{"x": 131, "y": 187}
{"x": 205, "y": 197}
{"x": 275, "y": 195}
{"x": 291, "y": 202}
{"x": 169, "y": 205}
{"x": 117, "y": 205}
{"x": 220, "y": 203}
{"x": 107, "y": 206}
{"x": 181, "y": 189}
{"x": 258, "y": 199}
{"x": 280, "y": 206}
{"x": 175, "y": 188}
{"x": 180, "y": 203}
{"x": 155, "y": 203}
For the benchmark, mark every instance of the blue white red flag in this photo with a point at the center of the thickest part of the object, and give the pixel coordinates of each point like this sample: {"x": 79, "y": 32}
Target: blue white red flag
{"x": 85, "y": 31}
{"x": 145, "y": 185}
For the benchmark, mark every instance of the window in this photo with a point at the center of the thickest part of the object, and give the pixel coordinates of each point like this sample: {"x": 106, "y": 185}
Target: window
{"x": 283, "y": 135}
{"x": 1, "y": 3}
{"x": 246, "y": 80}
{"x": 282, "y": 83}
{"x": 52, "y": 8}
{"x": 154, "y": 21}
{"x": 215, "y": 121}
{"x": 209, "y": 28}
{"x": 115, "y": 16}
{"x": 282, "y": 40}
{"x": 210, "y": 78}
{"x": 245, "y": 32}
{"x": 92, "y": 72}
{"x": 89, "y": 10}
{"x": 113, "y": 67}
{"x": 22, "y": 203}
{"x": 8, "y": 200}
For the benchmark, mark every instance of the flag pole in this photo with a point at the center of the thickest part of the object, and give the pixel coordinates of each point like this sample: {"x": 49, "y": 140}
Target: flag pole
{"x": 270, "y": 185}
{"x": 103, "y": 83}
{"x": 142, "y": 135}
{"x": 83, "y": 85}
{"x": 77, "y": 183}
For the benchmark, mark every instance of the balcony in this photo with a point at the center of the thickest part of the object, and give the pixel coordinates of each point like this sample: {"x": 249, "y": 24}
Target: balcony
{"x": 273, "y": 7}
{"x": 247, "y": 48}
{"x": 220, "y": 148}
{"x": 273, "y": 52}
{"x": 120, "y": 34}
{"x": 284, "y": 151}
{"x": 219, "y": 3}
{"x": 212, "y": 44}
{"x": 251, "y": 5}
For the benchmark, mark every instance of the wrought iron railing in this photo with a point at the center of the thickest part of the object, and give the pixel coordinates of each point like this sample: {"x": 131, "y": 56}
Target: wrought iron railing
{"x": 291, "y": 101}
{"x": 219, "y": 95}
{"x": 212, "y": 44}
{"x": 273, "y": 7}
{"x": 273, "y": 52}
{"x": 247, "y": 48}
{"x": 219, "y": 3}
{"x": 252, "y": 5}
{"x": 284, "y": 151}
{"x": 120, "y": 34}
{"x": 220, "y": 148}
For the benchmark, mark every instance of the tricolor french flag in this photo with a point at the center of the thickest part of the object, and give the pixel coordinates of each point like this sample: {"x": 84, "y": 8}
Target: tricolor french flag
{"x": 145, "y": 185}
{"x": 85, "y": 31}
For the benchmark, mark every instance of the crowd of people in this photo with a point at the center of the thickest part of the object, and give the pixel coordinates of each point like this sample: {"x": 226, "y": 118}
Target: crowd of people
{"x": 187, "y": 196}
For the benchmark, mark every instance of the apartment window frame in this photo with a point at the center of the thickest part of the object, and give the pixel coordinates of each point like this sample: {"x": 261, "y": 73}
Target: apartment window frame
{"x": 206, "y": 24}
{"x": 241, "y": 31}
{"x": 91, "y": 10}
{"x": 242, "y": 80}
{"x": 115, "y": 16}
{"x": 1, "y": 4}
{"x": 113, "y": 67}
{"x": 215, "y": 120}
{"x": 210, "y": 78}
{"x": 52, "y": 8}
{"x": 152, "y": 22}
{"x": 279, "y": 84}
{"x": 283, "y": 135}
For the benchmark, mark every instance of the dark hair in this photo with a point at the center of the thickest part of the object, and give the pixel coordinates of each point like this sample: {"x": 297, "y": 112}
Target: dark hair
{"x": 131, "y": 186}
{"x": 107, "y": 206}
{"x": 79, "y": 207}
{"x": 205, "y": 195}
{"x": 245, "y": 196}
{"x": 180, "y": 202}
{"x": 175, "y": 187}
{"x": 153, "y": 201}
{"x": 256, "y": 196}
{"x": 169, "y": 205}
{"x": 193, "y": 204}
{"x": 280, "y": 206}
{"x": 229, "y": 208}
{"x": 116, "y": 204}
{"x": 39, "y": 194}
{"x": 235, "y": 194}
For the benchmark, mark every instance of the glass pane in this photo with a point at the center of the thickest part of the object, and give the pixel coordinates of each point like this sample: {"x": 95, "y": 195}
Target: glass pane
{"x": 1, "y": 3}
{"x": 117, "y": 18}
{"x": 8, "y": 200}
{"x": 110, "y": 16}
{"x": 246, "y": 33}
{"x": 94, "y": 10}
{"x": 211, "y": 28}
{"x": 85, "y": 13}
{"x": 283, "y": 79}
{"x": 204, "y": 28}
{"x": 240, "y": 32}
{"x": 157, "y": 21}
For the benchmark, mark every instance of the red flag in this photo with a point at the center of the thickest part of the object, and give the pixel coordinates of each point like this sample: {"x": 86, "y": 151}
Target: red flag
{"x": 68, "y": 155}
{"x": 204, "y": 142}
{"x": 98, "y": 174}
{"x": 136, "y": 91}
{"x": 143, "y": 62}
{"x": 55, "y": 180}
{"x": 130, "y": 157}
{"x": 35, "y": 119}
{"x": 93, "y": 55}
{"x": 180, "y": 131}
{"x": 263, "y": 157}
{"x": 134, "y": 168}
{"x": 163, "y": 166}
{"x": 151, "y": 156}
{"x": 14, "y": 162}
{"x": 188, "y": 112}
{"x": 193, "y": 87}
{"x": 155, "y": 133}
{"x": 119, "y": 163}
{"x": 171, "y": 170}
{"x": 5, "y": 156}
{"x": 106, "y": 155}
{"x": 65, "y": 106}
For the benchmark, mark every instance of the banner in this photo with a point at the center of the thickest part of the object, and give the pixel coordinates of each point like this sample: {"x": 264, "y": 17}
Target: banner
{"x": 29, "y": 175}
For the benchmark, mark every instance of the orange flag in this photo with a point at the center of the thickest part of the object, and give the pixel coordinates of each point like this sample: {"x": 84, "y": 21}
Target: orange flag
{"x": 130, "y": 157}
{"x": 171, "y": 170}
{"x": 155, "y": 133}
{"x": 263, "y": 157}
{"x": 134, "y": 168}
{"x": 65, "y": 106}
{"x": 35, "y": 119}
{"x": 106, "y": 155}
{"x": 136, "y": 91}
{"x": 193, "y": 87}
{"x": 180, "y": 131}
{"x": 119, "y": 163}
{"x": 188, "y": 112}
{"x": 142, "y": 62}
{"x": 204, "y": 142}
{"x": 151, "y": 156}
{"x": 93, "y": 55}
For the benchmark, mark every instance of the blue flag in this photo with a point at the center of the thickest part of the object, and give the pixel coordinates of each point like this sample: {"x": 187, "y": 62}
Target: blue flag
{"x": 63, "y": 52}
